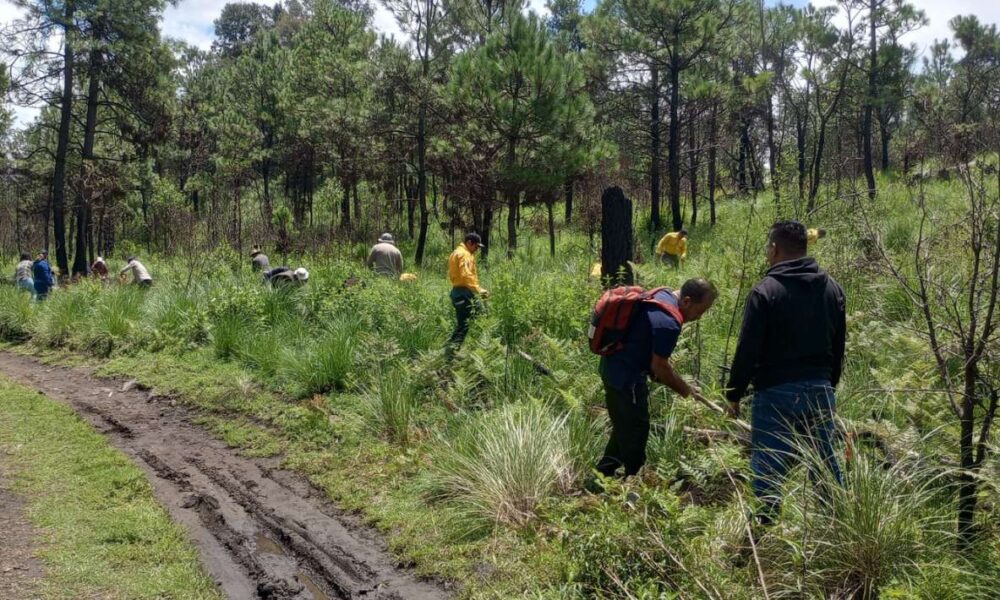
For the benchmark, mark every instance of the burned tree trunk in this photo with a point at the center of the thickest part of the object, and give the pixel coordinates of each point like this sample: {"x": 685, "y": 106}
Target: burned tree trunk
{"x": 616, "y": 238}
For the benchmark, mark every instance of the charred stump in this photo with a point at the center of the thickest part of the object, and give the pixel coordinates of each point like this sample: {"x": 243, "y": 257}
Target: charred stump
{"x": 616, "y": 238}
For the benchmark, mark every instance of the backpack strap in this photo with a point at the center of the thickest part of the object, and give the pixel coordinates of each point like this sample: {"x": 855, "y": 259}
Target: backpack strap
{"x": 671, "y": 309}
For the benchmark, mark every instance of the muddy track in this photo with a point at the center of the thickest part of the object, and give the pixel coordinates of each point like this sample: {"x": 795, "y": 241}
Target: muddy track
{"x": 262, "y": 532}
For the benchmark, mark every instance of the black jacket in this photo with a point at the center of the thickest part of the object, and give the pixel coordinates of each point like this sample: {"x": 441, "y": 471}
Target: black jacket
{"x": 794, "y": 329}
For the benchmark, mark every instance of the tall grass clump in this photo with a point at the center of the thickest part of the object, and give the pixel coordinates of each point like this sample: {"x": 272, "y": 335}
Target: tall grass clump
{"x": 498, "y": 467}
{"x": 16, "y": 313}
{"x": 64, "y": 315}
{"x": 882, "y": 526}
{"x": 319, "y": 365}
{"x": 178, "y": 317}
{"x": 390, "y": 404}
{"x": 114, "y": 321}
{"x": 227, "y": 335}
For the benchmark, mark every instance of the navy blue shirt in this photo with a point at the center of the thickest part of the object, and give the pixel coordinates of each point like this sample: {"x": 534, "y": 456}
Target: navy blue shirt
{"x": 653, "y": 331}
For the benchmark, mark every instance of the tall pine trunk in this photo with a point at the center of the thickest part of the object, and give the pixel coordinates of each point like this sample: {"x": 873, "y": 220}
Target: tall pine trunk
{"x": 713, "y": 133}
{"x": 568, "y": 189}
{"x": 870, "y": 100}
{"x": 83, "y": 219}
{"x": 654, "y": 148}
{"x": 62, "y": 145}
{"x": 422, "y": 183}
{"x": 693, "y": 171}
{"x": 674, "y": 148}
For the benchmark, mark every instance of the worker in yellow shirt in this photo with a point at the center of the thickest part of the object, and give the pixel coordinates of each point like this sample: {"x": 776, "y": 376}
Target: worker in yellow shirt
{"x": 673, "y": 247}
{"x": 812, "y": 235}
{"x": 466, "y": 293}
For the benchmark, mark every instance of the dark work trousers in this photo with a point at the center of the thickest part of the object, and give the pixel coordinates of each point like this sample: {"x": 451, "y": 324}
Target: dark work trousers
{"x": 788, "y": 420}
{"x": 628, "y": 410}
{"x": 467, "y": 305}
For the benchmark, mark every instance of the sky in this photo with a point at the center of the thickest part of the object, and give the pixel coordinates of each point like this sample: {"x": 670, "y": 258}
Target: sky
{"x": 192, "y": 21}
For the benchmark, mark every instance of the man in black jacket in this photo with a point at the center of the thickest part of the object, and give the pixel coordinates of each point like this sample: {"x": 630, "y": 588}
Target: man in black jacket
{"x": 791, "y": 349}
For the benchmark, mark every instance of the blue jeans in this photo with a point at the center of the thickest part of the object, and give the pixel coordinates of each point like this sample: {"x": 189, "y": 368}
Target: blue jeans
{"x": 786, "y": 420}
{"x": 27, "y": 285}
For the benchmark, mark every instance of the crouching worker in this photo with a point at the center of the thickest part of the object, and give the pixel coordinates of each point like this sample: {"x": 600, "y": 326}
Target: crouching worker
{"x": 140, "y": 275}
{"x": 792, "y": 349}
{"x": 285, "y": 276}
{"x": 641, "y": 349}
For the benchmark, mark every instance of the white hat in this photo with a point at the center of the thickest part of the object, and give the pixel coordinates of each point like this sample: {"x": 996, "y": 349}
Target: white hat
{"x": 301, "y": 274}
{"x": 99, "y": 259}
{"x": 386, "y": 237}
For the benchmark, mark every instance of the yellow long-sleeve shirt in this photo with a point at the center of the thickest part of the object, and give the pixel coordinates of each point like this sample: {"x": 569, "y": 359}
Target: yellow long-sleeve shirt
{"x": 462, "y": 269}
{"x": 673, "y": 244}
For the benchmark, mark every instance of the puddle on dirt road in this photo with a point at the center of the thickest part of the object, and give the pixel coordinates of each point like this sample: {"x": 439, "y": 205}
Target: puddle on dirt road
{"x": 269, "y": 546}
{"x": 311, "y": 586}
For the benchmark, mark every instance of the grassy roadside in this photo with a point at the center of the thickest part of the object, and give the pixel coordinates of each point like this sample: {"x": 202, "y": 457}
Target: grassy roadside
{"x": 327, "y": 439}
{"x": 104, "y": 535}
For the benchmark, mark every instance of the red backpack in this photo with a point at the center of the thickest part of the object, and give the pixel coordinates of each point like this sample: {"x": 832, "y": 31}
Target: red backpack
{"x": 612, "y": 317}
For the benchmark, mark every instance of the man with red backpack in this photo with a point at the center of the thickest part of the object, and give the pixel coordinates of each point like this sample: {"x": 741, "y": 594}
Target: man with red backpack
{"x": 635, "y": 332}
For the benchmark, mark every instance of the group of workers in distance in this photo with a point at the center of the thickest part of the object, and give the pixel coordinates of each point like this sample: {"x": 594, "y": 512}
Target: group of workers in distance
{"x": 672, "y": 248}
{"x": 37, "y": 277}
{"x": 790, "y": 349}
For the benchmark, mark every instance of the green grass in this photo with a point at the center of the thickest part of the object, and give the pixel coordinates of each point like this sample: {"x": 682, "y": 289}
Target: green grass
{"x": 103, "y": 533}
{"x": 474, "y": 469}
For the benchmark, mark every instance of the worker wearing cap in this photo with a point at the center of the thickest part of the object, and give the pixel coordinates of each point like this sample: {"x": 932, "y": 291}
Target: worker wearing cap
{"x": 385, "y": 258}
{"x": 813, "y": 235}
{"x": 466, "y": 293}
{"x": 99, "y": 269}
{"x": 281, "y": 276}
{"x": 672, "y": 248}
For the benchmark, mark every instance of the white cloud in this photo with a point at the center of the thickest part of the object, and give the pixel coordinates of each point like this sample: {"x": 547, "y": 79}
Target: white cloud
{"x": 939, "y": 13}
{"x": 193, "y": 21}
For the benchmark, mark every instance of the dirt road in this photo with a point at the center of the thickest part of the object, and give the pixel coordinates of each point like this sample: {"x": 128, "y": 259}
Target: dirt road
{"x": 262, "y": 532}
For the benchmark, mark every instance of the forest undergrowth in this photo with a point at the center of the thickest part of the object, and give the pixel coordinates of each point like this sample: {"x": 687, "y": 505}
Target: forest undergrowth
{"x": 476, "y": 470}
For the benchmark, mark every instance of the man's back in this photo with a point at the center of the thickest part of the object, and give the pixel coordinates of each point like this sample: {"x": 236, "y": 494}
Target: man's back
{"x": 652, "y": 331}
{"x": 260, "y": 262}
{"x": 42, "y": 273}
{"x": 794, "y": 328}
{"x": 386, "y": 259}
{"x": 23, "y": 270}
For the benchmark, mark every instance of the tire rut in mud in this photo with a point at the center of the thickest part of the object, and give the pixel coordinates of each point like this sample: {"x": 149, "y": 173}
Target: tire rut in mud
{"x": 262, "y": 532}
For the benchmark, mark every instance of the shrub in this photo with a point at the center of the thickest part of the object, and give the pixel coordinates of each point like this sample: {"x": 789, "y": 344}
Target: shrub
{"x": 499, "y": 466}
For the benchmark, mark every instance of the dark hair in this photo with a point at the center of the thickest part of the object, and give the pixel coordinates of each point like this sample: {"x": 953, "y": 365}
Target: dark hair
{"x": 699, "y": 290}
{"x": 683, "y": 232}
{"x": 25, "y": 256}
{"x": 474, "y": 238}
{"x": 130, "y": 258}
{"x": 821, "y": 232}
{"x": 789, "y": 237}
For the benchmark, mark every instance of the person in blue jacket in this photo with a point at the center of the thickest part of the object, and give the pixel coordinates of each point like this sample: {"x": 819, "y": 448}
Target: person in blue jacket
{"x": 42, "y": 274}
